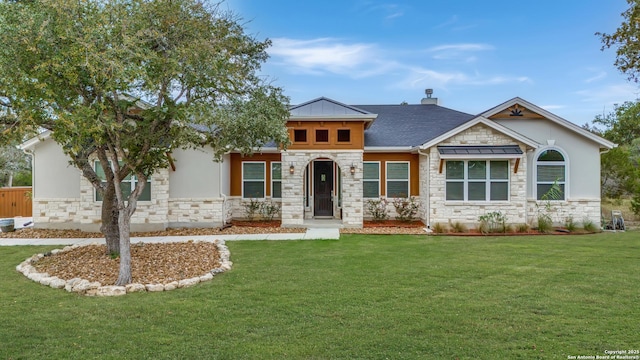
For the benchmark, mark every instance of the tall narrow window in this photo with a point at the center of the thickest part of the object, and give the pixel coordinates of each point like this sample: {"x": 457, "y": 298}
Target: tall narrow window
{"x": 477, "y": 180}
{"x": 127, "y": 185}
{"x": 253, "y": 179}
{"x": 276, "y": 179}
{"x": 397, "y": 179}
{"x": 550, "y": 169}
{"x": 371, "y": 180}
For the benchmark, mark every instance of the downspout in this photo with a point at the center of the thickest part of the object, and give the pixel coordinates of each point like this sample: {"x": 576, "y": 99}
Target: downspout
{"x": 428, "y": 205}
{"x": 224, "y": 197}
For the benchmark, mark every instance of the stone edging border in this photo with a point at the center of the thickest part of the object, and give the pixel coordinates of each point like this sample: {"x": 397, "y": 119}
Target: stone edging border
{"x": 84, "y": 287}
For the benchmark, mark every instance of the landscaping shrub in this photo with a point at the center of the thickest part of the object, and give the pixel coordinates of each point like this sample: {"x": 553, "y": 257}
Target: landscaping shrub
{"x": 406, "y": 208}
{"x": 378, "y": 209}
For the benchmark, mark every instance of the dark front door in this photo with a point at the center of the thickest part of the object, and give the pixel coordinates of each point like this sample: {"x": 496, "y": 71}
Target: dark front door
{"x": 322, "y": 188}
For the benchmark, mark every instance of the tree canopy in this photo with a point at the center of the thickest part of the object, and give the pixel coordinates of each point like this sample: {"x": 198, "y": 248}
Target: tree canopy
{"x": 127, "y": 81}
{"x": 625, "y": 40}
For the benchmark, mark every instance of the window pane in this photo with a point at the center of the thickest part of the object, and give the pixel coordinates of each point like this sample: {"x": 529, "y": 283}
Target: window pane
{"x": 398, "y": 171}
{"x": 322, "y": 135}
{"x": 253, "y": 189}
{"x": 544, "y": 188}
{"x": 550, "y": 173}
{"x": 477, "y": 169}
{"x": 477, "y": 191}
{"x": 100, "y": 171}
{"x": 146, "y": 193}
{"x": 370, "y": 189}
{"x": 551, "y": 155}
{"x": 371, "y": 171}
{"x": 276, "y": 171}
{"x": 276, "y": 189}
{"x": 397, "y": 189}
{"x": 253, "y": 171}
{"x": 300, "y": 135}
{"x": 499, "y": 170}
{"x": 499, "y": 191}
{"x": 344, "y": 135}
{"x": 455, "y": 169}
{"x": 455, "y": 191}
{"x": 126, "y": 189}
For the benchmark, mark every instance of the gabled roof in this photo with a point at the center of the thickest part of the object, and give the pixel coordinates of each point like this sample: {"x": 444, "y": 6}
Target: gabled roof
{"x": 604, "y": 143}
{"x": 480, "y": 120}
{"x": 329, "y": 109}
{"x": 409, "y": 125}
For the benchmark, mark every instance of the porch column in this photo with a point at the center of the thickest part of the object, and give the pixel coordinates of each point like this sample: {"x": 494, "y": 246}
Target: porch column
{"x": 292, "y": 210}
{"x": 352, "y": 203}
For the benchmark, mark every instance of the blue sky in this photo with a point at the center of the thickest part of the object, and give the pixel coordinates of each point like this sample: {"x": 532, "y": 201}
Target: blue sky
{"x": 473, "y": 54}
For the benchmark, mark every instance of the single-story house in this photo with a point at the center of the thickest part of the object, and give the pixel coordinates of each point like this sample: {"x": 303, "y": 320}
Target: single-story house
{"x": 457, "y": 166}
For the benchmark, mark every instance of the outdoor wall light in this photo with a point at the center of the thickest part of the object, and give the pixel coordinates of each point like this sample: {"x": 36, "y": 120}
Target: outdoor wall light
{"x": 291, "y": 169}
{"x": 353, "y": 169}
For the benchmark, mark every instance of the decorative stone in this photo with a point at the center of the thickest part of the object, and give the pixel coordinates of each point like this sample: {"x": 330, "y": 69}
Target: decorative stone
{"x": 135, "y": 288}
{"x": 206, "y": 277}
{"x": 57, "y": 283}
{"x": 70, "y": 283}
{"x": 154, "y": 287}
{"x": 111, "y": 290}
{"x": 188, "y": 282}
{"x": 171, "y": 286}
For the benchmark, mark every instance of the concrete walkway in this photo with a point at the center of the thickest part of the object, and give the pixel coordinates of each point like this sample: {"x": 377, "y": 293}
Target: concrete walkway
{"x": 310, "y": 234}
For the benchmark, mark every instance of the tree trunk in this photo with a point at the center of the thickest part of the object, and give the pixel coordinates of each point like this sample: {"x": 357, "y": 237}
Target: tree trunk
{"x": 110, "y": 215}
{"x": 124, "y": 222}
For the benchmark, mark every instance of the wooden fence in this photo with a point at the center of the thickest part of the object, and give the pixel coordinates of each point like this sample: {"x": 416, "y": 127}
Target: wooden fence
{"x": 15, "y": 201}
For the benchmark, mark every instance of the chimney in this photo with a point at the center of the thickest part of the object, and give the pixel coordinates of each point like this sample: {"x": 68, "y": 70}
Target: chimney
{"x": 429, "y": 100}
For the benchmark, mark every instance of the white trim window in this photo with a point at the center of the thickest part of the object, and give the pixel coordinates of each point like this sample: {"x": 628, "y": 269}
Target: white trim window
{"x": 397, "y": 179}
{"x": 253, "y": 179}
{"x": 371, "y": 179}
{"x": 551, "y": 167}
{"x": 127, "y": 185}
{"x": 276, "y": 179}
{"x": 477, "y": 180}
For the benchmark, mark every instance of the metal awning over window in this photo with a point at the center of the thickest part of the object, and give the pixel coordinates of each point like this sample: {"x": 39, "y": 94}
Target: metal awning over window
{"x": 480, "y": 151}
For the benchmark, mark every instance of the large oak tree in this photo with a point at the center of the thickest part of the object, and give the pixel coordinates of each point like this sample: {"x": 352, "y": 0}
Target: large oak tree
{"x": 127, "y": 81}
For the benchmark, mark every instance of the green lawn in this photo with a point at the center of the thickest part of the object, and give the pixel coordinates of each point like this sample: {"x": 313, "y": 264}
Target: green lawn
{"x": 373, "y": 297}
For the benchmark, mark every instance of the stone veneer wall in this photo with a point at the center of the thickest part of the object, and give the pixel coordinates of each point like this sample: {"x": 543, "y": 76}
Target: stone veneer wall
{"x": 196, "y": 212}
{"x": 293, "y": 211}
{"x": 580, "y": 210}
{"x": 467, "y": 212}
{"x": 84, "y": 213}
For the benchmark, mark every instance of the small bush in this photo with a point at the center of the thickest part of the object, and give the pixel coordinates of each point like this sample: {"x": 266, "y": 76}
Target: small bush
{"x": 458, "y": 227}
{"x": 406, "y": 209}
{"x": 493, "y": 222}
{"x": 589, "y": 226}
{"x": 569, "y": 224}
{"x": 255, "y": 209}
{"x": 545, "y": 224}
{"x": 269, "y": 210}
{"x": 439, "y": 228}
{"x": 251, "y": 209}
{"x": 522, "y": 228}
{"x": 378, "y": 209}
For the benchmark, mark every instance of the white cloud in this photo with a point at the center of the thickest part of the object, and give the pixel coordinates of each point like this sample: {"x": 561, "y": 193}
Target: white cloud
{"x": 610, "y": 94}
{"x": 599, "y": 76}
{"x": 327, "y": 55}
{"x": 553, "y": 107}
{"x": 459, "y": 52}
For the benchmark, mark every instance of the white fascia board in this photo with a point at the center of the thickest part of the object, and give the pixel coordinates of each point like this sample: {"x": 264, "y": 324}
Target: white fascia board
{"x": 372, "y": 149}
{"x": 337, "y": 117}
{"x": 481, "y": 120}
{"x": 553, "y": 117}
{"x": 31, "y": 143}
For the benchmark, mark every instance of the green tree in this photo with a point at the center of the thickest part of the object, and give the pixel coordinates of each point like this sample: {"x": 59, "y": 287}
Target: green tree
{"x": 15, "y": 167}
{"x": 620, "y": 173}
{"x": 127, "y": 81}
{"x": 625, "y": 40}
